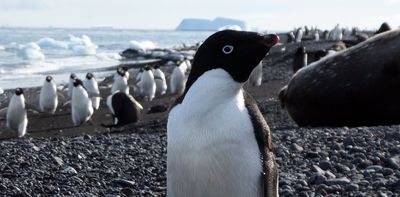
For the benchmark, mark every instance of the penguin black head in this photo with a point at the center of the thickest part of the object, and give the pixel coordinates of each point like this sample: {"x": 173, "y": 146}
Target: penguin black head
{"x": 121, "y": 71}
{"x": 77, "y": 82}
{"x": 19, "y": 91}
{"x": 301, "y": 50}
{"x": 147, "y": 68}
{"x": 89, "y": 76}
{"x": 49, "y": 78}
{"x": 156, "y": 66}
{"x": 72, "y": 76}
{"x": 237, "y": 52}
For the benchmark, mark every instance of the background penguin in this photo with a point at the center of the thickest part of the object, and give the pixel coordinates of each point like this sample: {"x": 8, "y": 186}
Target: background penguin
{"x": 188, "y": 64}
{"x": 125, "y": 109}
{"x": 16, "y": 114}
{"x": 300, "y": 59}
{"x": 255, "y": 78}
{"x": 92, "y": 89}
{"x": 299, "y": 35}
{"x": 177, "y": 82}
{"x": 216, "y": 133}
{"x": 139, "y": 75}
{"x": 147, "y": 84}
{"x": 81, "y": 104}
{"x": 72, "y": 77}
{"x": 122, "y": 69}
{"x": 48, "y": 99}
{"x": 120, "y": 82}
{"x": 161, "y": 83}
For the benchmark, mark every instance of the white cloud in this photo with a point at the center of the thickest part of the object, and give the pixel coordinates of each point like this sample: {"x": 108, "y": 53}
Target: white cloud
{"x": 22, "y": 4}
{"x": 392, "y": 2}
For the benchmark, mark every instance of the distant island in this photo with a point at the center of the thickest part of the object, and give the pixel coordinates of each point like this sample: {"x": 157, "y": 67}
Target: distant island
{"x": 196, "y": 24}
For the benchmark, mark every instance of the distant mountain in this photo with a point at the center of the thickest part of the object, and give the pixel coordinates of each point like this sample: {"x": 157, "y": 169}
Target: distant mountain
{"x": 189, "y": 24}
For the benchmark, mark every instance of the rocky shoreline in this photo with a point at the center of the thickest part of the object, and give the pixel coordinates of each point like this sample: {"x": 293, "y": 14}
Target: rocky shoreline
{"x": 131, "y": 161}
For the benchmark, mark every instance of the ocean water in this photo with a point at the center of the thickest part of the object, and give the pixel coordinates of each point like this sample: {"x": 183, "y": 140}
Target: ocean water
{"x": 27, "y": 55}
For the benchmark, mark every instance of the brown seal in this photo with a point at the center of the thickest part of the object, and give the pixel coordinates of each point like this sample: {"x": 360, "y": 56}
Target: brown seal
{"x": 354, "y": 87}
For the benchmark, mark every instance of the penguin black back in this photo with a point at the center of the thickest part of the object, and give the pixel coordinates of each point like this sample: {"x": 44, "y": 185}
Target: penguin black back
{"x": 125, "y": 109}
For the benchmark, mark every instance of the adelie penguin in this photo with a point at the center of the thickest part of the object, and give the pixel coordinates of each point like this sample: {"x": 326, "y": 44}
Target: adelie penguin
{"x": 81, "y": 104}
{"x": 124, "y": 108}
{"x": 219, "y": 143}
{"x": 48, "y": 99}
{"x": 161, "y": 84}
{"x": 16, "y": 114}
{"x": 300, "y": 59}
{"x": 92, "y": 88}
{"x": 177, "y": 82}
{"x": 147, "y": 84}
{"x": 120, "y": 81}
{"x": 72, "y": 77}
{"x": 255, "y": 78}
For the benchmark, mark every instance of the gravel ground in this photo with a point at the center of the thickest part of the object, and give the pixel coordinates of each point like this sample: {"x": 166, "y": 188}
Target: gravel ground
{"x": 362, "y": 161}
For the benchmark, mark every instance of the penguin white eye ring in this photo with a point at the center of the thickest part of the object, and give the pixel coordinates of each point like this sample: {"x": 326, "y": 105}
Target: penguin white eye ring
{"x": 227, "y": 49}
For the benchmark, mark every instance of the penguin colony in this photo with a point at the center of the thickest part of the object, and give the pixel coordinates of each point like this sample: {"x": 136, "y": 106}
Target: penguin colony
{"x": 84, "y": 98}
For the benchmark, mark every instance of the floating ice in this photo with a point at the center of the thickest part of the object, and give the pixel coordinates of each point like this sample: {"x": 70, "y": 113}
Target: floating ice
{"x": 2, "y": 47}
{"x": 52, "y": 43}
{"x": 108, "y": 56}
{"x": 230, "y": 27}
{"x": 31, "y": 52}
{"x": 142, "y": 45}
{"x": 82, "y": 46}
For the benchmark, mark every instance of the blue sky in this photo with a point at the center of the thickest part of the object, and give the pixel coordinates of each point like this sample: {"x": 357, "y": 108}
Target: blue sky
{"x": 166, "y": 14}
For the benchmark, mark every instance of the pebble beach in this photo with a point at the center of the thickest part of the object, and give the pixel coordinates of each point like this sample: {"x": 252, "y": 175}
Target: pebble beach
{"x": 57, "y": 159}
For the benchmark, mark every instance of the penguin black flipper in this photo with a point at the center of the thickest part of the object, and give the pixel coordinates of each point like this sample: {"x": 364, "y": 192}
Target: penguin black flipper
{"x": 264, "y": 140}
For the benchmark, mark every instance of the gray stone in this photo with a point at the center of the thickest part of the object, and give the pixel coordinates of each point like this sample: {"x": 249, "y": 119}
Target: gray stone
{"x": 376, "y": 168}
{"x": 330, "y": 175}
{"x": 296, "y": 148}
{"x": 352, "y": 187}
{"x": 69, "y": 170}
{"x": 325, "y": 164}
{"x": 123, "y": 183}
{"x": 58, "y": 161}
{"x": 337, "y": 181}
{"x": 387, "y": 171}
{"x": 317, "y": 169}
{"x": 394, "y": 163}
{"x": 348, "y": 141}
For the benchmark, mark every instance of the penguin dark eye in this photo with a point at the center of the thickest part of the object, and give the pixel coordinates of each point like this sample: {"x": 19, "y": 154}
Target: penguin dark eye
{"x": 227, "y": 49}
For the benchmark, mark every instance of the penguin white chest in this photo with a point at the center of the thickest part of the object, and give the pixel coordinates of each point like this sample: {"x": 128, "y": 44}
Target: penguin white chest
{"x": 81, "y": 106}
{"x": 148, "y": 85}
{"x": 16, "y": 115}
{"x": 212, "y": 150}
{"x": 48, "y": 99}
{"x": 121, "y": 84}
{"x": 177, "y": 83}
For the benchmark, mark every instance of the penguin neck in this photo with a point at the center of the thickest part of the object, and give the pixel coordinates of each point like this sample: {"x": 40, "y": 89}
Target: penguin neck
{"x": 213, "y": 87}
{"x": 18, "y": 101}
